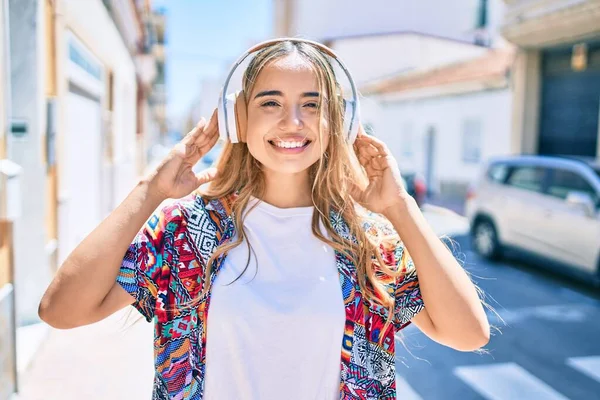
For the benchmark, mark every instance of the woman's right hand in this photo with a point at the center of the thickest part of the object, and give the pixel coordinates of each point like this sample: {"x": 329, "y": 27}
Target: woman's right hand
{"x": 174, "y": 177}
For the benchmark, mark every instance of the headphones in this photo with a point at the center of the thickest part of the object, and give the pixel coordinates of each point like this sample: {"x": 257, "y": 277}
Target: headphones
{"x": 232, "y": 109}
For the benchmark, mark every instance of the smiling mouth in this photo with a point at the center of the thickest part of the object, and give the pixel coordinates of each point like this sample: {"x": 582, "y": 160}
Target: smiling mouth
{"x": 286, "y": 144}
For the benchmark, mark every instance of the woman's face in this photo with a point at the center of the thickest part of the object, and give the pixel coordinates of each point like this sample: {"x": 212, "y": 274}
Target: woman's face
{"x": 283, "y": 117}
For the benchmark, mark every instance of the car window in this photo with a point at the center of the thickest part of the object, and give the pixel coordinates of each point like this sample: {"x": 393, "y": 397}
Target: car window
{"x": 527, "y": 177}
{"x": 563, "y": 181}
{"x": 498, "y": 173}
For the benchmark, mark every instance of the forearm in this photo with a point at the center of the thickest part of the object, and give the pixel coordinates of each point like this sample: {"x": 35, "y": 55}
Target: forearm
{"x": 450, "y": 298}
{"x": 90, "y": 271}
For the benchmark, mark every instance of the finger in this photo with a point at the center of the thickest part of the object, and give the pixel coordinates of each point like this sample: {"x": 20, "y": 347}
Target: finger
{"x": 366, "y": 142}
{"x": 364, "y": 162}
{"x": 361, "y": 130}
{"x": 210, "y": 130}
{"x": 368, "y": 151}
{"x": 213, "y": 123}
{"x": 197, "y": 130}
{"x": 379, "y": 164}
{"x": 209, "y": 144}
{"x": 206, "y": 176}
{"x": 372, "y": 171}
{"x": 378, "y": 144}
{"x": 367, "y": 164}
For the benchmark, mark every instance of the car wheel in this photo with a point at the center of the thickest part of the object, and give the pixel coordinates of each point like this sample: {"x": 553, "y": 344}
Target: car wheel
{"x": 485, "y": 239}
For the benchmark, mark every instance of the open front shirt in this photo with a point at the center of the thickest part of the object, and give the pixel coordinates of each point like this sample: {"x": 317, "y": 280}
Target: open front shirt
{"x": 163, "y": 270}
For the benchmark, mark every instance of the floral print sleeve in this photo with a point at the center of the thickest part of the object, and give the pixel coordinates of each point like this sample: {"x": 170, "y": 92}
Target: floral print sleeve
{"x": 141, "y": 269}
{"x": 408, "y": 293}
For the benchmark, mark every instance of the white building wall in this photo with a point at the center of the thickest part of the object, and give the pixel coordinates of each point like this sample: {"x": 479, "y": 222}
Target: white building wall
{"x": 373, "y": 57}
{"x": 322, "y": 20}
{"x": 32, "y": 272}
{"x": 404, "y": 126}
{"x": 91, "y": 22}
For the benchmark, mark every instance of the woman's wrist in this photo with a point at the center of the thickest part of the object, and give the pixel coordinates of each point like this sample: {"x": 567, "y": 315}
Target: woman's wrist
{"x": 401, "y": 208}
{"x": 151, "y": 193}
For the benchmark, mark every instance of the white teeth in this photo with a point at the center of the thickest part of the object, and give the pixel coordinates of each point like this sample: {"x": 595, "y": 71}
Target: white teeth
{"x": 290, "y": 145}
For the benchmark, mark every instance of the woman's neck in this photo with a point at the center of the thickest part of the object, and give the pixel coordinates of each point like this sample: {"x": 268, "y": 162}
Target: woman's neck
{"x": 287, "y": 190}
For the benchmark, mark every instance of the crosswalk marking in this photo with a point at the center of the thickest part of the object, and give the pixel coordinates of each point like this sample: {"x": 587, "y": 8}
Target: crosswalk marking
{"x": 404, "y": 391}
{"x": 506, "y": 381}
{"x": 589, "y": 366}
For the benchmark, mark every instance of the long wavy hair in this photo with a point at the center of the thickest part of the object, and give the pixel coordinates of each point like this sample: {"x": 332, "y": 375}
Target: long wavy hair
{"x": 332, "y": 179}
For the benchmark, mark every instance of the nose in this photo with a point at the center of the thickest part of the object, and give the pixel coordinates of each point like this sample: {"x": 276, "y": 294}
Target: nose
{"x": 291, "y": 120}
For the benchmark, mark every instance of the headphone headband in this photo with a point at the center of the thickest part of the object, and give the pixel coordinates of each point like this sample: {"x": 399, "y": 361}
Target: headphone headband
{"x": 352, "y": 129}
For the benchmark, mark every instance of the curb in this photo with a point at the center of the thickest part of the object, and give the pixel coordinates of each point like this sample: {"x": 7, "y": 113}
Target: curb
{"x": 430, "y": 208}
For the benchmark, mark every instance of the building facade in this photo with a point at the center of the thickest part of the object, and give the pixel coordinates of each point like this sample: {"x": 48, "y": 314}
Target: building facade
{"x": 8, "y": 362}
{"x": 556, "y": 85}
{"x": 82, "y": 78}
{"x": 443, "y": 122}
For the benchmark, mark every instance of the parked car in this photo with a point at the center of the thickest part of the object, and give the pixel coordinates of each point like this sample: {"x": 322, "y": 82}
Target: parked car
{"x": 415, "y": 186}
{"x": 542, "y": 206}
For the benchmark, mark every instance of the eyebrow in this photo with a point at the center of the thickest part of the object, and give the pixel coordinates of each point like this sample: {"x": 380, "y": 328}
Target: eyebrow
{"x": 279, "y": 93}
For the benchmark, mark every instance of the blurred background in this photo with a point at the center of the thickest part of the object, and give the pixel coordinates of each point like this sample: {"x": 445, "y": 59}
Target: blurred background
{"x": 490, "y": 106}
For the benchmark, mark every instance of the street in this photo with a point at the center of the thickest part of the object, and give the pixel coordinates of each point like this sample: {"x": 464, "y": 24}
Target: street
{"x": 548, "y": 346}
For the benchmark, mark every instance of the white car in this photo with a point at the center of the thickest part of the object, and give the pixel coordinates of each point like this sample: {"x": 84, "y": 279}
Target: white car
{"x": 541, "y": 206}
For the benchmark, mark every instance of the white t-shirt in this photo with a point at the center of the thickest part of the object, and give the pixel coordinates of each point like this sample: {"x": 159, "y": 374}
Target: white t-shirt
{"x": 276, "y": 333}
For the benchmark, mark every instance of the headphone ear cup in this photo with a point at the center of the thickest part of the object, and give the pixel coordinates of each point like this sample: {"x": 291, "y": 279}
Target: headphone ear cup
{"x": 241, "y": 116}
{"x": 221, "y": 110}
{"x": 230, "y": 118}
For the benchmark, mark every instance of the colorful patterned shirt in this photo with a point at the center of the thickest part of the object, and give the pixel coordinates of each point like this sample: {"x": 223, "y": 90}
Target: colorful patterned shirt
{"x": 163, "y": 270}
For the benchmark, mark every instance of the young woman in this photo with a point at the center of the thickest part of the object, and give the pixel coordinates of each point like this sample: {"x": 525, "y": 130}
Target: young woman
{"x": 284, "y": 277}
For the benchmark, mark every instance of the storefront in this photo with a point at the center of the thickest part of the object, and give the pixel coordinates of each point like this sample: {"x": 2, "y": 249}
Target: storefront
{"x": 555, "y": 77}
{"x": 570, "y": 99}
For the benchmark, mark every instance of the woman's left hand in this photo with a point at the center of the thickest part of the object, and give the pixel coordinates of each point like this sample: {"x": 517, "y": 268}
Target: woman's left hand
{"x": 386, "y": 188}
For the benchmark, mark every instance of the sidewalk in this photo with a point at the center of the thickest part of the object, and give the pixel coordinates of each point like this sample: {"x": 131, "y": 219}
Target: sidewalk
{"x": 445, "y": 221}
{"x": 113, "y": 359}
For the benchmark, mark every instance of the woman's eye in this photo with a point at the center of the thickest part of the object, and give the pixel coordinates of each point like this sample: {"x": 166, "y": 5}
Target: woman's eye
{"x": 269, "y": 104}
{"x": 312, "y": 105}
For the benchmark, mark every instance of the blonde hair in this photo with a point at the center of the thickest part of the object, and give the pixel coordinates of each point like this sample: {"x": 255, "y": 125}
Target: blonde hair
{"x": 332, "y": 177}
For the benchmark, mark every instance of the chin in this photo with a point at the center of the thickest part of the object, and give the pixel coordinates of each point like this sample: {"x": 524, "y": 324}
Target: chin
{"x": 288, "y": 167}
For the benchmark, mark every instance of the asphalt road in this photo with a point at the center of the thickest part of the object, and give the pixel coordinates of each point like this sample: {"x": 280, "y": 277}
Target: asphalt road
{"x": 545, "y": 345}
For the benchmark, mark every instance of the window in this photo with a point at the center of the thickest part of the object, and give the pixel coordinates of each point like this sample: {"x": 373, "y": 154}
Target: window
{"x": 82, "y": 58}
{"x": 471, "y": 146}
{"x": 527, "y": 178}
{"x": 482, "y": 15}
{"x": 498, "y": 172}
{"x": 563, "y": 181}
